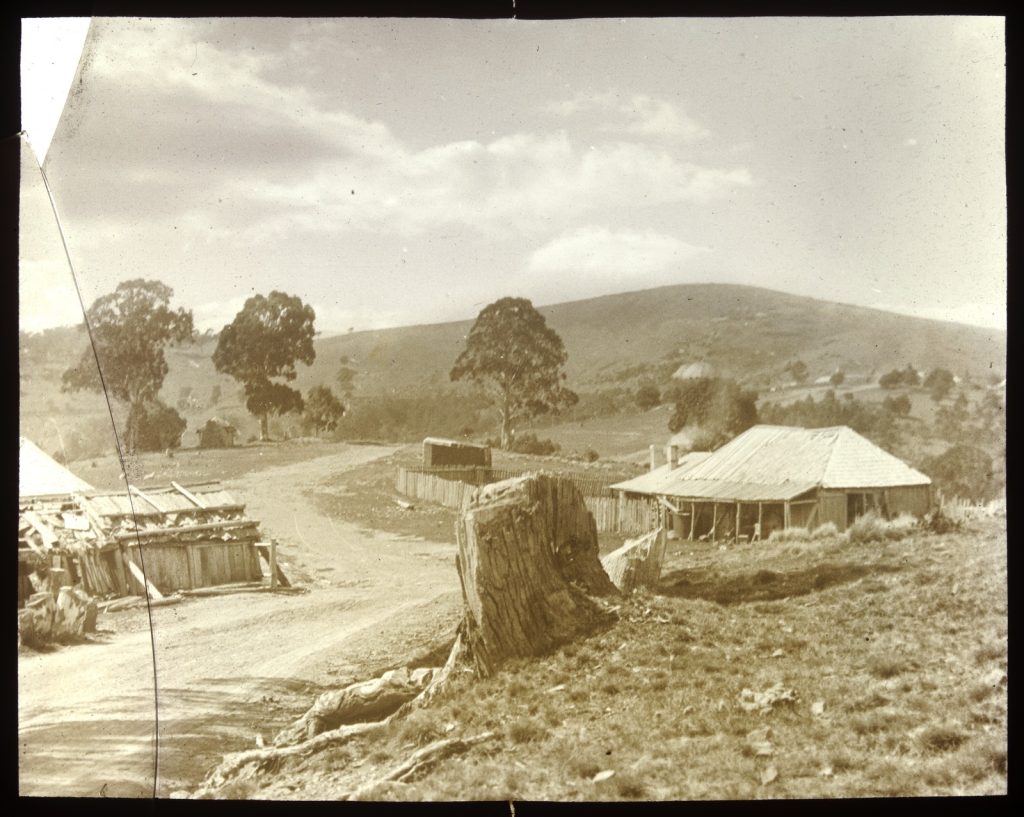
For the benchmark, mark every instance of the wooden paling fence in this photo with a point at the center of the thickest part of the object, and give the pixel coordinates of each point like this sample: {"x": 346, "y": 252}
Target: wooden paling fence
{"x": 452, "y": 487}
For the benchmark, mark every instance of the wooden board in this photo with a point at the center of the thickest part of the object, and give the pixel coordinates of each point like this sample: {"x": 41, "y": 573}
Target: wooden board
{"x": 264, "y": 551}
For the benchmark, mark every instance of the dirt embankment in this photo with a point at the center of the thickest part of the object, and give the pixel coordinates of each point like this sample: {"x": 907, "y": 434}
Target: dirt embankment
{"x": 230, "y": 668}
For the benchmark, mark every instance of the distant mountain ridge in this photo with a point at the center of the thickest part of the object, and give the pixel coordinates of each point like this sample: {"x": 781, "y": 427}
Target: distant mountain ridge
{"x": 744, "y": 332}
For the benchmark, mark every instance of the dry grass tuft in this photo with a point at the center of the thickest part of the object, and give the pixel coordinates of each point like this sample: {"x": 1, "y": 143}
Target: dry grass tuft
{"x": 939, "y": 739}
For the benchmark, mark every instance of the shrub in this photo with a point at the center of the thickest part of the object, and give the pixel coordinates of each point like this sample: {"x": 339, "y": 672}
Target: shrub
{"x": 160, "y": 427}
{"x": 529, "y": 444}
{"x": 789, "y": 535}
{"x": 965, "y": 471}
{"x": 872, "y": 528}
{"x": 939, "y": 522}
{"x": 826, "y": 531}
{"x": 590, "y": 455}
{"x": 526, "y": 730}
{"x": 647, "y": 397}
{"x": 938, "y": 739}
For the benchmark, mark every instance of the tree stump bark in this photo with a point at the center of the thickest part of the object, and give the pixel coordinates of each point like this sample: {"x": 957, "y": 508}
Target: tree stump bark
{"x": 637, "y": 563}
{"x": 530, "y": 572}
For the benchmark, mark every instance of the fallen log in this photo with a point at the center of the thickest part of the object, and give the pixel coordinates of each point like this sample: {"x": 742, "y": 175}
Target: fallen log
{"x": 637, "y": 563}
{"x": 227, "y": 590}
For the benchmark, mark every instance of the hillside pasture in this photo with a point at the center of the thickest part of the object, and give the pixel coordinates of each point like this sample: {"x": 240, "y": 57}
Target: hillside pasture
{"x": 822, "y": 669}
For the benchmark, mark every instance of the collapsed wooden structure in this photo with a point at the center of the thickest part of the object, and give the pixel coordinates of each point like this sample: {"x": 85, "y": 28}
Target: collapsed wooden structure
{"x": 137, "y": 542}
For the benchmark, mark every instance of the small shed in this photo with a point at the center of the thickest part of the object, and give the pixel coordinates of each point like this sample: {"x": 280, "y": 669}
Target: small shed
{"x": 217, "y": 434}
{"x": 773, "y": 477}
{"x": 439, "y": 452}
{"x": 180, "y": 538}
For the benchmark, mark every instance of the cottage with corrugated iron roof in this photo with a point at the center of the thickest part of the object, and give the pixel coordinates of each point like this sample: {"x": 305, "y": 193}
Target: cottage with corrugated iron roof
{"x": 774, "y": 477}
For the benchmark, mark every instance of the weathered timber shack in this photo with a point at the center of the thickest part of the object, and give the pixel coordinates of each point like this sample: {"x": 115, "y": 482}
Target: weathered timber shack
{"x": 217, "y": 434}
{"x": 775, "y": 477}
{"x": 439, "y": 453}
{"x": 113, "y": 543}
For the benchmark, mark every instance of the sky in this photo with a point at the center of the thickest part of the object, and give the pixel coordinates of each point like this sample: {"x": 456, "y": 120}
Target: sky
{"x": 401, "y": 171}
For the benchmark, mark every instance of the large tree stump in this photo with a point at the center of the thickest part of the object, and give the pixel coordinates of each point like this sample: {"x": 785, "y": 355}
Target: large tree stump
{"x": 529, "y": 567}
{"x": 637, "y": 563}
{"x": 531, "y": 581}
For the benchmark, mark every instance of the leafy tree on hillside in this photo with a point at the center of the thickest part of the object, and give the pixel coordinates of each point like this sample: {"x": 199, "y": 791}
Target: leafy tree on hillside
{"x": 720, "y": 406}
{"x": 900, "y": 406}
{"x": 963, "y": 471}
{"x": 868, "y": 419}
{"x": 798, "y": 370}
{"x": 911, "y": 376}
{"x": 264, "y": 341}
{"x": 838, "y": 378}
{"x": 891, "y": 380}
{"x": 129, "y": 329}
{"x": 518, "y": 360}
{"x": 346, "y": 377}
{"x": 160, "y": 427}
{"x": 647, "y": 397}
{"x": 952, "y": 421}
{"x": 939, "y": 383}
{"x": 323, "y": 410}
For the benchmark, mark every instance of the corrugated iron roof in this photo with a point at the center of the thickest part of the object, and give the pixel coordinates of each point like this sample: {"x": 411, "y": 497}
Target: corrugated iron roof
{"x": 653, "y": 481}
{"x": 713, "y": 489}
{"x": 781, "y": 462}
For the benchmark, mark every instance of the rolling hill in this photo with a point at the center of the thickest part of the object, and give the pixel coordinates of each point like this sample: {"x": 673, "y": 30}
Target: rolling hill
{"x": 747, "y": 333}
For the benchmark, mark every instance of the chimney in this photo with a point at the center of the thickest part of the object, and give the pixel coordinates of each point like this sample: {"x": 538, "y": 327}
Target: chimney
{"x": 654, "y": 457}
{"x": 672, "y": 455}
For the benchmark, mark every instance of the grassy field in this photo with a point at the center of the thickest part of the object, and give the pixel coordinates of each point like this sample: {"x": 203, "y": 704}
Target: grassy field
{"x": 881, "y": 669}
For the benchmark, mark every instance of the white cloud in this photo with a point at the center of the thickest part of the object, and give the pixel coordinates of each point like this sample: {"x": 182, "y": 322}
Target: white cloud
{"x": 517, "y": 182}
{"x": 622, "y": 254}
{"x": 638, "y": 115}
{"x": 216, "y": 315}
{"x": 910, "y": 142}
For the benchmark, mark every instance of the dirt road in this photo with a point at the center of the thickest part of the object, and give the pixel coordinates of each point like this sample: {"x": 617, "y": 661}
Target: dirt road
{"x": 231, "y": 667}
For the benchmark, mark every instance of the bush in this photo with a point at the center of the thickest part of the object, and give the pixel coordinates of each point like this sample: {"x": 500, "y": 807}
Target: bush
{"x": 826, "y": 531}
{"x": 160, "y": 427}
{"x": 939, "y": 522}
{"x": 529, "y": 444}
{"x": 965, "y": 471}
{"x": 790, "y": 535}
{"x": 647, "y": 397}
{"x": 590, "y": 455}
{"x": 872, "y": 528}
{"x": 900, "y": 406}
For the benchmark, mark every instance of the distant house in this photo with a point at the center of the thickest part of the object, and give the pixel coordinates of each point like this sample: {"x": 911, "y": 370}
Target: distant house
{"x": 694, "y": 371}
{"x": 440, "y": 452}
{"x": 776, "y": 477}
{"x": 217, "y": 434}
